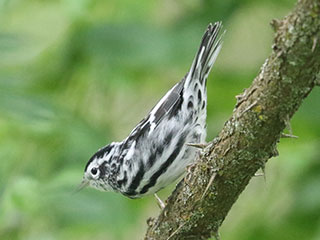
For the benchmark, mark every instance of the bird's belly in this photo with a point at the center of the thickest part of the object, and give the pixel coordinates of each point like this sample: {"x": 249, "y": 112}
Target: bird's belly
{"x": 186, "y": 156}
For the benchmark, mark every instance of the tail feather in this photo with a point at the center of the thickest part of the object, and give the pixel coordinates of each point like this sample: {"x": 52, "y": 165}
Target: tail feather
{"x": 207, "y": 53}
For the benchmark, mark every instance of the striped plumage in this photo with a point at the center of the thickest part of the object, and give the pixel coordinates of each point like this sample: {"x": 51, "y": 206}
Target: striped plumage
{"x": 156, "y": 151}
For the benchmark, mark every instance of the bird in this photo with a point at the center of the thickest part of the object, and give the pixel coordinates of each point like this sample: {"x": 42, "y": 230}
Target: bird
{"x": 161, "y": 146}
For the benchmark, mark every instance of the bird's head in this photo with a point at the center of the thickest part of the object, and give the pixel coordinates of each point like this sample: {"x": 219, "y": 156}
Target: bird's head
{"x": 96, "y": 172}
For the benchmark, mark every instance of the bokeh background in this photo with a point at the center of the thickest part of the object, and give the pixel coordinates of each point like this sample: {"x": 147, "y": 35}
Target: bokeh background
{"x": 77, "y": 74}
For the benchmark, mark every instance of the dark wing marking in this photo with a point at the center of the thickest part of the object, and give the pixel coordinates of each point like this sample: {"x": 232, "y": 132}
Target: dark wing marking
{"x": 169, "y": 107}
{"x": 170, "y": 102}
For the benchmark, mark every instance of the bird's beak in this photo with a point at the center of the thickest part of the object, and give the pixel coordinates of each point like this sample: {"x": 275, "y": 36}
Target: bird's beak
{"x": 82, "y": 185}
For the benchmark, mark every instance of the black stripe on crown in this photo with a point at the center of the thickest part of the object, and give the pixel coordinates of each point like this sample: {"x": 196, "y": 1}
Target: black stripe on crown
{"x": 99, "y": 154}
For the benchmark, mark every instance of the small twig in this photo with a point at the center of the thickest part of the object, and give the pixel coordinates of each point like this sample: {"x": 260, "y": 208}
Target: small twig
{"x": 248, "y": 108}
{"x": 226, "y": 151}
{"x": 285, "y": 135}
{"x": 315, "y": 40}
{"x": 209, "y": 184}
{"x": 259, "y": 175}
{"x": 288, "y": 125}
{"x": 176, "y": 231}
{"x": 160, "y": 202}
{"x": 197, "y": 145}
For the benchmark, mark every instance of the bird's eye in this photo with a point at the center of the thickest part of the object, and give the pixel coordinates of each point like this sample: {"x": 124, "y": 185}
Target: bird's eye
{"x": 94, "y": 171}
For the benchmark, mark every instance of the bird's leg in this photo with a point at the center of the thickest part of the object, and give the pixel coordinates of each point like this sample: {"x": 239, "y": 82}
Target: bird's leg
{"x": 160, "y": 203}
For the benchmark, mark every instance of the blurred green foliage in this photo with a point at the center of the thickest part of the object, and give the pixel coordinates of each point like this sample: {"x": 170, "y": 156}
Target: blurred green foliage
{"x": 77, "y": 74}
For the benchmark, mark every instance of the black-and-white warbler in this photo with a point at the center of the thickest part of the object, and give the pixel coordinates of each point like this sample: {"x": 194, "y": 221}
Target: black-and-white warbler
{"x": 156, "y": 152}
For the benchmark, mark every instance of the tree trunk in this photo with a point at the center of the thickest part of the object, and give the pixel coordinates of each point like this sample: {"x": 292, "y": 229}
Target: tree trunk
{"x": 202, "y": 200}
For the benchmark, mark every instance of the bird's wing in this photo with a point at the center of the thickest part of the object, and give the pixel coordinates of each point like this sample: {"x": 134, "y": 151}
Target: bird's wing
{"x": 170, "y": 103}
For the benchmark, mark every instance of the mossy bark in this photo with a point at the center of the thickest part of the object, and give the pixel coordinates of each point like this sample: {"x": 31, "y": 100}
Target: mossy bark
{"x": 202, "y": 200}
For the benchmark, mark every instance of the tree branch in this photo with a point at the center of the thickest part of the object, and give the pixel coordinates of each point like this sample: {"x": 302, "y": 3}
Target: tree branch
{"x": 202, "y": 200}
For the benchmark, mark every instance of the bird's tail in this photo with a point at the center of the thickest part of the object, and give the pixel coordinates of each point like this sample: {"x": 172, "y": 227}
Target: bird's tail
{"x": 209, "y": 49}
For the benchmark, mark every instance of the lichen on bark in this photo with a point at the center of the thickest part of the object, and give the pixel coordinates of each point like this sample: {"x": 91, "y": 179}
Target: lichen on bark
{"x": 202, "y": 200}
